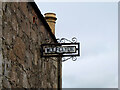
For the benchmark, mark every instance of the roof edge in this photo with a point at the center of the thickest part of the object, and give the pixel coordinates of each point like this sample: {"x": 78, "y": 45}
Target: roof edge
{"x": 41, "y": 17}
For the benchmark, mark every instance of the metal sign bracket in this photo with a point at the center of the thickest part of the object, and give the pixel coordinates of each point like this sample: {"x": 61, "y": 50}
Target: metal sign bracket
{"x": 66, "y": 49}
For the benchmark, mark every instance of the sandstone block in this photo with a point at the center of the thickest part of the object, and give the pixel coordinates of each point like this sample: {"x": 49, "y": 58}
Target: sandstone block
{"x": 35, "y": 57}
{"x": 8, "y": 36}
{"x": 6, "y": 83}
{"x": 13, "y": 74}
{"x": 27, "y": 28}
{"x": 19, "y": 48}
{"x": 33, "y": 35}
{"x": 23, "y": 8}
{"x": 12, "y": 55}
{"x": 14, "y": 23}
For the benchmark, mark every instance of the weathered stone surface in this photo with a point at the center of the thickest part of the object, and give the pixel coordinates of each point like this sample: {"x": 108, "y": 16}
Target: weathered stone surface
{"x": 7, "y": 67}
{"x": 1, "y": 13}
{"x": 27, "y": 29}
{"x": 19, "y": 48}
{"x": 14, "y": 6}
{"x": 42, "y": 29}
{"x": 8, "y": 34}
{"x": 12, "y": 55}
{"x": 24, "y": 9}
{"x": 13, "y": 74}
{"x": 32, "y": 80}
{"x": 28, "y": 60}
{"x": 35, "y": 58}
{"x": 21, "y": 61}
{"x": 8, "y": 13}
{"x": 6, "y": 83}
{"x": 0, "y": 4}
{"x": 1, "y": 59}
{"x": 19, "y": 15}
{"x": 25, "y": 81}
{"x": 14, "y": 23}
{"x": 23, "y": 25}
{"x": 33, "y": 35}
{"x": 22, "y": 65}
{"x": 20, "y": 32}
{"x": 5, "y": 51}
{"x": 32, "y": 47}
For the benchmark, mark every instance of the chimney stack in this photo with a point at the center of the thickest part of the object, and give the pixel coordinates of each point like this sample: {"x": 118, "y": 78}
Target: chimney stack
{"x": 51, "y": 20}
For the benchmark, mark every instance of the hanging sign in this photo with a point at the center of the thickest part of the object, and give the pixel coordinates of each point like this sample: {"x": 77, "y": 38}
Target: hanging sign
{"x": 60, "y": 50}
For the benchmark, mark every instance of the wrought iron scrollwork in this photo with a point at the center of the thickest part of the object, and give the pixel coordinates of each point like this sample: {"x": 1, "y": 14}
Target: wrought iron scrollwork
{"x": 65, "y": 59}
{"x": 74, "y": 58}
{"x": 63, "y": 40}
{"x": 74, "y": 40}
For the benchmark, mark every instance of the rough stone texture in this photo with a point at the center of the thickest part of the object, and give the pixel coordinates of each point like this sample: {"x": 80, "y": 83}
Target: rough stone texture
{"x": 19, "y": 48}
{"x": 1, "y": 58}
{"x": 20, "y": 62}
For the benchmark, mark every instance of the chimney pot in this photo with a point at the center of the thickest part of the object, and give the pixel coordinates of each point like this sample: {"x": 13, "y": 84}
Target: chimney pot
{"x": 51, "y": 20}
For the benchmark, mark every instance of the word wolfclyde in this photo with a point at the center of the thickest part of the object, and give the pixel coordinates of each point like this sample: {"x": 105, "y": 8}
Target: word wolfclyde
{"x": 60, "y": 49}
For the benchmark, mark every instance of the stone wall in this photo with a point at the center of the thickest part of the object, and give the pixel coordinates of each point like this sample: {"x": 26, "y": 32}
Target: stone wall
{"x": 22, "y": 65}
{"x": 1, "y": 58}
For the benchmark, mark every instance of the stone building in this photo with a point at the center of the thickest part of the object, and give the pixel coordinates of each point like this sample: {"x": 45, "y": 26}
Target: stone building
{"x": 22, "y": 31}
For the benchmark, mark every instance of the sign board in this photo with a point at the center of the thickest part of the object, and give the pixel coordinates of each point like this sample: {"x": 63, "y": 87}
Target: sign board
{"x": 60, "y": 50}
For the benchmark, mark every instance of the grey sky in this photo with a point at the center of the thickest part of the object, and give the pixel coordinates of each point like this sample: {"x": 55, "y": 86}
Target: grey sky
{"x": 95, "y": 25}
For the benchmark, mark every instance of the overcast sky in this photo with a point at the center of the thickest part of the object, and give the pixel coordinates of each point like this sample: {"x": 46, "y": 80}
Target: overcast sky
{"x": 95, "y": 25}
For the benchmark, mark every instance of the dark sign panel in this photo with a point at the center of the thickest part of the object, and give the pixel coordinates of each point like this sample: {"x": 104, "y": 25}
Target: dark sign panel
{"x": 60, "y": 49}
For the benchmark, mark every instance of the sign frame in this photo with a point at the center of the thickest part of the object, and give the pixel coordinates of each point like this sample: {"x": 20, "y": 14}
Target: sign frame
{"x": 59, "y": 54}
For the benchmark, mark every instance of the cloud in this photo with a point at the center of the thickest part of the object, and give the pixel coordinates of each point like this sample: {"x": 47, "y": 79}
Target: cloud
{"x": 98, "y": 71}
